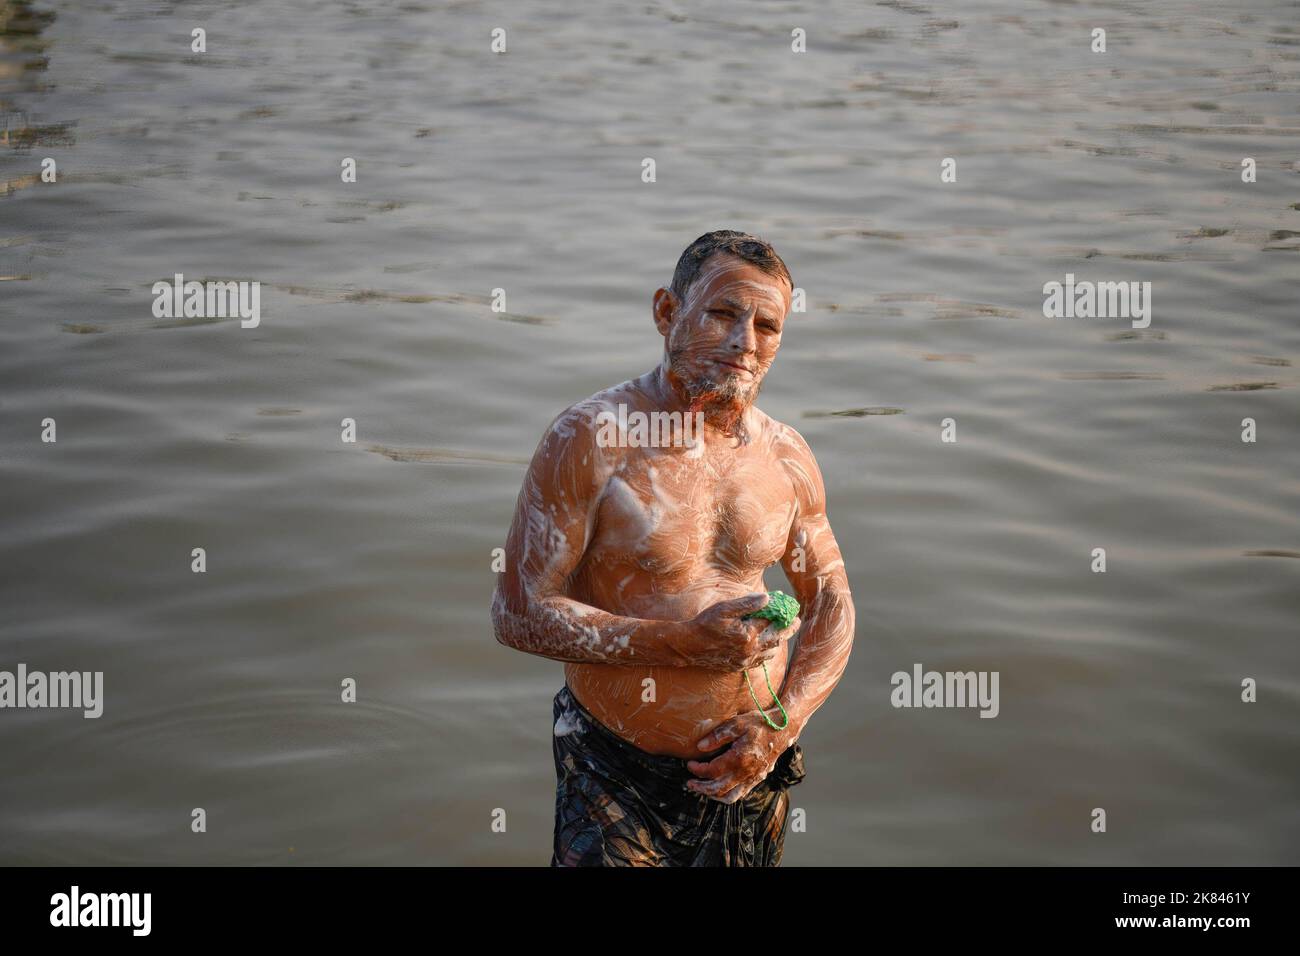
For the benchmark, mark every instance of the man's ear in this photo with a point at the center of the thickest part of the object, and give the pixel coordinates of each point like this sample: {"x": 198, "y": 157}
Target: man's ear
{"x": 664, "y": 310}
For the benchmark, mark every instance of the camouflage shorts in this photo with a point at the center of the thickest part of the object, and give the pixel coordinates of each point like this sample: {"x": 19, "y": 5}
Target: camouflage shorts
{"x": 616, "y": 805}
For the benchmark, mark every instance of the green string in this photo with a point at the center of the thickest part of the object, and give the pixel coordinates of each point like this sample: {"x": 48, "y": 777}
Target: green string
{"x": 775, "y": 700}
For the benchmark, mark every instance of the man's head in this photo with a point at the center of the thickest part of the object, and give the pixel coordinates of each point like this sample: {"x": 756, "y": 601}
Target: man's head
{"x": 722, "y": 319}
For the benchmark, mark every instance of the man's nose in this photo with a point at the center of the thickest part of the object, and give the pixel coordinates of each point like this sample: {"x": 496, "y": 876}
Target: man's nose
{"x": 743, "y": 338}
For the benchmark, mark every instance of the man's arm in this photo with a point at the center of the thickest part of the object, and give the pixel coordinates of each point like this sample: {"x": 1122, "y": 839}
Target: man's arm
{"x": 815, "y": 569}
{"x": 554, "y": 519}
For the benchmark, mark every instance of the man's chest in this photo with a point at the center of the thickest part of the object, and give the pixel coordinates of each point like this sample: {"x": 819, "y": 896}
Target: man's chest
{"x": 674, "y": 515}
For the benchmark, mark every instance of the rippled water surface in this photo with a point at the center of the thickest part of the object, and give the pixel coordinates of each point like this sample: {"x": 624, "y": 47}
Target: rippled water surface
{"x": 523, "y": 171}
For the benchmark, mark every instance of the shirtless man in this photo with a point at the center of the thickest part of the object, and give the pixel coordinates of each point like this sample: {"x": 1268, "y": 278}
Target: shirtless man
{"x": 636, "y": 566}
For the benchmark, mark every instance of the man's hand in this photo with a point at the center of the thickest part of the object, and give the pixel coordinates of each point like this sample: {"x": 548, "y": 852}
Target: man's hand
{"x": 721, "y": 639}
{"x": 746, "y": 763}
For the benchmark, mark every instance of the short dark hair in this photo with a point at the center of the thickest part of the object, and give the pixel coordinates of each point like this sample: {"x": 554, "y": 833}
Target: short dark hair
{"x": 739, "y": 244}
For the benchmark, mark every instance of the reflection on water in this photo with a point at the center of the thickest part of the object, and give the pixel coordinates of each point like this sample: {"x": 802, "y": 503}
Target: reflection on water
{"x": 329, "y": 560}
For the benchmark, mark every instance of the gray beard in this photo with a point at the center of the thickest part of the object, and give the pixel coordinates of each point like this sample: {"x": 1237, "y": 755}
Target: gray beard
{"x": 723, "y": 405}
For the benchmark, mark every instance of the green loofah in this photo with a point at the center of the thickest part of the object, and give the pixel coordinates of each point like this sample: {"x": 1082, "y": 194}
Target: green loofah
{"x": 780, "y": 608}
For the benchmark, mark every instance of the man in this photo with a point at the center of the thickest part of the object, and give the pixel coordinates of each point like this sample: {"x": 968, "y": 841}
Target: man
{"x": 637, "y": 562}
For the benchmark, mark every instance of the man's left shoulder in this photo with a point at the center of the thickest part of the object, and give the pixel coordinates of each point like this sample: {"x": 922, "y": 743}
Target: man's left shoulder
{"x": 785, "y": 439}
{"x": 793, "y": 456}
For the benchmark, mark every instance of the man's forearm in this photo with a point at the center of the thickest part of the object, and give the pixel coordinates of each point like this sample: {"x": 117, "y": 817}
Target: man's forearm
{"x": 825, "y": 641}
{"x": 563, "y": 629}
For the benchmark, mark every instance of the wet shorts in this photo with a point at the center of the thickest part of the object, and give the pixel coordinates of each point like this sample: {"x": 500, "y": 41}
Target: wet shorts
{"x": 616, "y": 805}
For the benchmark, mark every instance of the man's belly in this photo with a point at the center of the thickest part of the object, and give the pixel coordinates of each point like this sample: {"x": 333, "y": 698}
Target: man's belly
{"x": 670, "y": 715}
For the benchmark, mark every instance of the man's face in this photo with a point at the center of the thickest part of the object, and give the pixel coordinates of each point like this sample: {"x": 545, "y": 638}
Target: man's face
{"x": 722, "y": 338}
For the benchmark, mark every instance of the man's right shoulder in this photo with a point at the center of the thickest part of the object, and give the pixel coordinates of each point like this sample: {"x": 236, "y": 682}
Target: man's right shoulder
{"x": 575, "y": 430}
{"x": 586, "y": 415}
